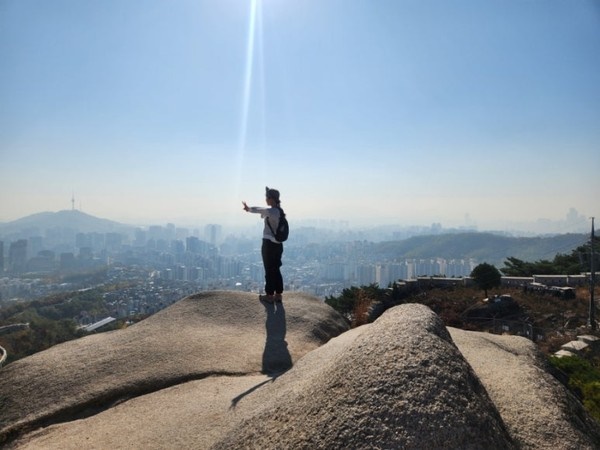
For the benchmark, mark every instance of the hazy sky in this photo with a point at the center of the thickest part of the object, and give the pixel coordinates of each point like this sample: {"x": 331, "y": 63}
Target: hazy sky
{"x": 372, "y": 111}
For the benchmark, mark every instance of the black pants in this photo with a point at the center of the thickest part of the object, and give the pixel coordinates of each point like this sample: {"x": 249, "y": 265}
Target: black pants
{"x": 271, "y": 256}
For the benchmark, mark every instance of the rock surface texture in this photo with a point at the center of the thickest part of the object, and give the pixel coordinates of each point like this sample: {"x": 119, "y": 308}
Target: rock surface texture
{"x": 222, "y": 370}
{"x": 205, "y": 335}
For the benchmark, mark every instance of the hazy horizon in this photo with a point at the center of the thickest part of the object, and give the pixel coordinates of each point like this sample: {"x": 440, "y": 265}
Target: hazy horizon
{"x": 466, "y": 113}
{"x": 573, "y": 222}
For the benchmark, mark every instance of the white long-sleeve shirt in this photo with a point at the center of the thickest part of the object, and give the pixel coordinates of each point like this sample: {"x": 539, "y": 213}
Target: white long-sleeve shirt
{"x": 272, "y": 214}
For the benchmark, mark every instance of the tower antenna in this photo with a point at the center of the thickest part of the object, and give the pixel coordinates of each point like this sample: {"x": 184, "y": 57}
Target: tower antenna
{"x": 73, "y": 202}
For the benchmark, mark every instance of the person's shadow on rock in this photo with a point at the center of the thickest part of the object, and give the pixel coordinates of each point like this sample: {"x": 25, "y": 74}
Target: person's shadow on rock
{"x": 276, "y": 357}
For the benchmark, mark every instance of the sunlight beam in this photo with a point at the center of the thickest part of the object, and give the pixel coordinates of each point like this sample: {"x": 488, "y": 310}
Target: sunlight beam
{"x": 246, "y": 95}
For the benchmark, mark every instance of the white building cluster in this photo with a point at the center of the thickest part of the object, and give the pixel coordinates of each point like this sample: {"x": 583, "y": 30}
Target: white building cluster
{"x": 385, "y": 273}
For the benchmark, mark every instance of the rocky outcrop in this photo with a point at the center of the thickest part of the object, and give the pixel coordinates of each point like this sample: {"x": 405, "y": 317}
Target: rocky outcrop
{"x": 404, "y": 381}
{"x": 536, "y": 408}
{"x": 400, "y": 383}
{"x": 209, "y": 334}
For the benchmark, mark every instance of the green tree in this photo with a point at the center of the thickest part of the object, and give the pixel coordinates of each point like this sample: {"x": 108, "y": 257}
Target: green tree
{"x": 572, "y": 264}
{"x": 514, "y": 267}
{"x": 356, "y": 301}
{"x": 486, "y": 277}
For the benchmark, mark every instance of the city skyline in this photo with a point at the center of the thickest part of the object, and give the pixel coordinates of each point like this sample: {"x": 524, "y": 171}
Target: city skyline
{"x": 318, "y": 261}
{"x": 462, "y": 113}
{"x": 572, "y": 222}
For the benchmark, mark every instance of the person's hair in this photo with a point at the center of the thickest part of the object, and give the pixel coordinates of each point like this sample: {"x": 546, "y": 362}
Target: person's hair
{"x": 272, "y": 193}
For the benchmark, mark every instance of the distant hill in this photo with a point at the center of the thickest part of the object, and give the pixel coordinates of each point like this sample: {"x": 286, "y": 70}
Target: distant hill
{"x": 488, "y": 247}
{"x": 71, "y": 219}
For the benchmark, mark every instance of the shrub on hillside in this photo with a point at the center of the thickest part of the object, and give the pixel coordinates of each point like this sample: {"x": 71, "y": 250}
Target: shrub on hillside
{"x": 365, "y": 304}
{"x": 584, "y": 380}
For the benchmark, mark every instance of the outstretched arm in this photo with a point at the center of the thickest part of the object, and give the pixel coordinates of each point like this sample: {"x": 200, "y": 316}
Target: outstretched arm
{"x": 256, "y": 209}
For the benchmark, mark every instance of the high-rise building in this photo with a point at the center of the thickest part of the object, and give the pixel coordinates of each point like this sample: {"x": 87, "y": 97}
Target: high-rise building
{"x": 382, "y": 275}
{"x": 156, "y": 232}
{"x": 177, "y": 247}
{"x": 140, "y": 238}
{"x": 67, "y": 261}
{"x": 365, "y": 275}
{"x": 334, "y": 271}
{"x": 181, "y": 233}
{"x": 213, "y": 234}
{"x": 1, "y": 257}
{"x": 83, "y": 240}
{"x": 170, "y": 232}
{"x": 411, "y": 269}
{"x": 35, "y": 245}
{"x": 113, "y": 241}
{"x": 17, "y": 256}
{"x": 398, "y": 271}
{"x": 195, "y": 274}
{"x": 45, "y": 261}
{"x": 193, "y": 244}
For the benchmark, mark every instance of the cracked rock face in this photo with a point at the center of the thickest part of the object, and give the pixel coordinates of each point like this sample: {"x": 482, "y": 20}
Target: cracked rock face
{"x": 221, "y": 370}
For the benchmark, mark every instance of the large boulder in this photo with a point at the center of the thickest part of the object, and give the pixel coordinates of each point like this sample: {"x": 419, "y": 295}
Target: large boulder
{"x": 208, "y": 334}
{"x": 398, "y": 383}
{"x": 404, "y": 381}
{"x": 536, "y": 408}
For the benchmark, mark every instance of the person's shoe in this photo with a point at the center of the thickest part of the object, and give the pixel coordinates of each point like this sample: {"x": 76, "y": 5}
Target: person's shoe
{"x": 267, "y": 298}
{"x": 278, "y": 298}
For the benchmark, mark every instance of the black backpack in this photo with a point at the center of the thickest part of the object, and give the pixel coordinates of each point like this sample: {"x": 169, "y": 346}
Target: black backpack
{"x": 283, "y": 229}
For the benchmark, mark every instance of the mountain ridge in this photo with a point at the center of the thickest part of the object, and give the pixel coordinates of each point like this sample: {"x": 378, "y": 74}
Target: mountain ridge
{"x": 73, "y": 218}
{"x": 482, "y": 246}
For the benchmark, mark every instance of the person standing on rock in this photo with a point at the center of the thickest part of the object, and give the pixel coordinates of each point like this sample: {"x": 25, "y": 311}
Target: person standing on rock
{"x": 271, "y": 250}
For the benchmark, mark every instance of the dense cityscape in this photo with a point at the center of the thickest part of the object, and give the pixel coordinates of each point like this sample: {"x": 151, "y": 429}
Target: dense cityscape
{"x": 161, "y": 264}
{"x": 141, "y": 270}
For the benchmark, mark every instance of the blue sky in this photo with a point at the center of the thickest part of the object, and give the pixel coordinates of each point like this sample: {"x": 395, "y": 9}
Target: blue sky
{"x": 385, "y": 111}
